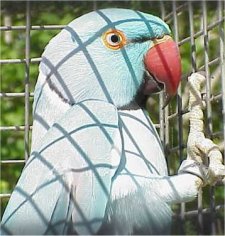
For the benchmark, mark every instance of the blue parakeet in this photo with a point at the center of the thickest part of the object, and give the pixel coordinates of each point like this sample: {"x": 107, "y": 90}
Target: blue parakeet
{"x": 97, "y": 165}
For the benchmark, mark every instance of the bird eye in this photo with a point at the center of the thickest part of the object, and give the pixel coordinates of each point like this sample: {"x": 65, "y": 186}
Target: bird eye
{"x": 114, "y": 39}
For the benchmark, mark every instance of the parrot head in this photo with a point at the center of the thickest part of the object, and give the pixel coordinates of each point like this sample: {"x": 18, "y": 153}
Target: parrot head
{"x": 115, "y": 55}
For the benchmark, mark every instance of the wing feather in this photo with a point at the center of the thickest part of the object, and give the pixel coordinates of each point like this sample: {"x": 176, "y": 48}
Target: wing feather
{"x": 66, "y": 183}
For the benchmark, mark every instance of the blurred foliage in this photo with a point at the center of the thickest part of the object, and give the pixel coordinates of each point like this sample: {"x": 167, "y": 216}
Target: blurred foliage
{"x": 62, "y": 12}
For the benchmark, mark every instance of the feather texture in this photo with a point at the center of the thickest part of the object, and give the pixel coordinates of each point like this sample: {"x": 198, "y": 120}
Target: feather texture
{"x": 94, "y": 167}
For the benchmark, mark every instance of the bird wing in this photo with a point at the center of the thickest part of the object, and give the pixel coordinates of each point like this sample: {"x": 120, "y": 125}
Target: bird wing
{"x": 68, "y": 179}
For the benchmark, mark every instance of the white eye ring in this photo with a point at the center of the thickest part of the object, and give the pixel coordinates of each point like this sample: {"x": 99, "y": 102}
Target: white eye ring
{"x": 114, "y": 39}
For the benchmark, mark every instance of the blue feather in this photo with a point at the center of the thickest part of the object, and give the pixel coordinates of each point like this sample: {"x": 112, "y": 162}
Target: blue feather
{"x": 97, "y": 164}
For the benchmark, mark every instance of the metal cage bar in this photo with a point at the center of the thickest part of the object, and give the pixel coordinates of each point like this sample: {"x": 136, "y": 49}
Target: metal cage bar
{"x": 222, "y": 62}
{"x": 179, "y": 116}
{"x": 27, "y": 81}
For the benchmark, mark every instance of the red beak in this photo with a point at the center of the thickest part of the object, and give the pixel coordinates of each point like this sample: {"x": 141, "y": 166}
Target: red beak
{"x": 163, "y": 62}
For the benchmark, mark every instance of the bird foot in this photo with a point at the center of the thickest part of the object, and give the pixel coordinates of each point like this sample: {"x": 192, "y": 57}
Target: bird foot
{"x": 204, "y": 158}
{"x": 216, "y": 173}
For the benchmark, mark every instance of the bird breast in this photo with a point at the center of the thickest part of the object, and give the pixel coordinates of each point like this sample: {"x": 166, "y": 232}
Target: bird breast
{"x": 142, "y": 157}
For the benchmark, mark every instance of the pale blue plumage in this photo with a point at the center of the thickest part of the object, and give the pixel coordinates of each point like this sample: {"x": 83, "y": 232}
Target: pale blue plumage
{"x": 81, "y": 67}
{"x": 52, "y": 181}
{"x": 94, "y": 168}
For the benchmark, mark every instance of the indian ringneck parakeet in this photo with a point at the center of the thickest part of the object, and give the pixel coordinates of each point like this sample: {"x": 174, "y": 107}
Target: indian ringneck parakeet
{"x": 97, "y": 164}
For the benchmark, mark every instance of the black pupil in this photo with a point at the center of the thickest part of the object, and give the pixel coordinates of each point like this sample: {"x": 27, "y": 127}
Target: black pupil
{"x": 115, "y": 38}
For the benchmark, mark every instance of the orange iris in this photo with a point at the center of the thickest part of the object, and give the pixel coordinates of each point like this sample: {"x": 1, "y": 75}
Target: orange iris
{"x": 114, "y": 39}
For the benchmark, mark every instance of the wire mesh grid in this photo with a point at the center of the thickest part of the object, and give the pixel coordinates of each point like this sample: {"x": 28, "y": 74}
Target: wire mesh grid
{"x": 198, "y": 28}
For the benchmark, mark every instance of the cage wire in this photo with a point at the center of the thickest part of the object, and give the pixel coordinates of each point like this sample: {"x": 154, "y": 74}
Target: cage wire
{"x": 198, "y": 28}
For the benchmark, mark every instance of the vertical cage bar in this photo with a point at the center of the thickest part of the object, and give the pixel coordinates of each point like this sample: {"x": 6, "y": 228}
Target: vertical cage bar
{"x": 194, "y": 68}
{"x": 222, "y": 63}
{"x": 161, "y": 96}
{"x": 179, "y": 100}
{"x": 166, "y": 109}
{"x": 206, "y": 62}
{"x": 200, "y": 215}
{"x": 180, "y": 118}
{"x": 208, "y": 108}
{"x": 162, "y": 9}
{"x": 164, "y": 113}
{"x": 27, "y": 80}
{"x": 193, "y": 46}
{"x": 95, "y": 5}
{"x": 220, "y": 9}
{"x": 212, "y": 210}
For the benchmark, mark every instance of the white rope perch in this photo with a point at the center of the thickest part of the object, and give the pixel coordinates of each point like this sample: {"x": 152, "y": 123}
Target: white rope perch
{"x": 203, "y": 156}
